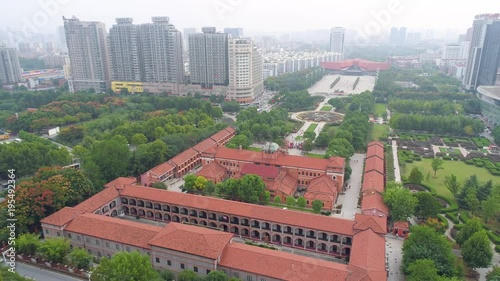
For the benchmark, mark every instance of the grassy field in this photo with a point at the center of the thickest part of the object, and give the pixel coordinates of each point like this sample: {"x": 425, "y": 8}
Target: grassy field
{"x": 312, "y": 127}
{"x": 254, "y": 148}
{"x": 380, "y": 109}
{"x": 444, "y": 150}
{"x": 326, "y": 108}
{"x": 458, "y": 168}
{"x": 313, "y": 155}
{"x": 379, "y": 131}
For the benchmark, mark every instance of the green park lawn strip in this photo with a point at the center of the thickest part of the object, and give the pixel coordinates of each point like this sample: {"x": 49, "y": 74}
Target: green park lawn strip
{"x": 254, "y": 148}
{"x": 380, "y": 109}
{"x": 445, "y": 150}
{"x": 312, "y": 127}
{"x": 380, "y": 131}
{"x": 326, "y": 108}
{"x": 458, "y": 168}
{"x": 314, "y": 155}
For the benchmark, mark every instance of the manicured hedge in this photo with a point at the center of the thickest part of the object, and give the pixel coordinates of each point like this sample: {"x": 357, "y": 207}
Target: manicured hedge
{"x": 453, "y": 217}
{"x": 463, "y": 217}
{"x": 497, "y": 249}
{"x": 444, "y": 221}
{"x": 493, "y": 237}
{"x": 453, "y": 205}
{"x": 458, "y": 226}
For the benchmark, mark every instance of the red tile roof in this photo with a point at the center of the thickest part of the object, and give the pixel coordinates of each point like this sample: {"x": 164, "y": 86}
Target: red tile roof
{"x": 323, "y": 188}
{"x": 280, "y": 265}
{"x": 281, "y": 159}
{"x": 336, "y": 162}
{"x": 97, "y": 201}
{"x": 114, "y": 229}
{"x": 161, "y": 169}
{"x": 213, "y": 171}
{"x": 289, "y": 217}
{"x": 402, "y": 225}
{"x": 219, "y": 136}
{"x": 376, "y": 143}
{"x": 120, "y": 183}
{"x": 230, "y": 130}
{"x": 260, "y": 170}
{"x": 377, "y": 224}
{"x": 374, "y": 201}
{"x": 362, "y": 63}
{"x": 183, "y": 156}
{"x": 204, "y": 145}
{"x": 373, "y": 180}
{"x": 374, "y": 164}
{"x": 193, "y": 240}
{"x": 375, "y": 150}
{"x": 62, "y": 217}
{"x": 368, "y": 253}
{"x": 285, "y": 183}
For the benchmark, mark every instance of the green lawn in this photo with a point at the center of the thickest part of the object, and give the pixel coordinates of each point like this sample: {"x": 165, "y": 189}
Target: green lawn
{"x": 254, "y": 148}
{"x": 379, "y": 109}
{"x": 454, "y": 150}
{"x": 326, "y": 108}
{"x": 458, "y": 168}
{"x": 313, "y": 155}
{"x": 380, "y": 131}
{"x": 312, "y": 127}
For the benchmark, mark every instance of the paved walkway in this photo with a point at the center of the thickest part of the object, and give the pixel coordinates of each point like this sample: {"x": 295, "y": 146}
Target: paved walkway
{"x": 397, "y": 172}
{"x": 350, "y": 198}
{"x": 394, "y": 257}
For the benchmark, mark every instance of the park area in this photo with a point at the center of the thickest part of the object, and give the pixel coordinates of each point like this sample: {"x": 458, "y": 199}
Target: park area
{"x": 345, "y": 84}
{"x": 380, "y": 109}
{"x": 380, "y": 131}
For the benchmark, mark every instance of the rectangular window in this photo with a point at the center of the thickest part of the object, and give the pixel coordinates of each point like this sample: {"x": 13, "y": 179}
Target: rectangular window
{"x": 208, "y": 271}
{"x": 263, "y": 279}
{"x": 99, "y": 254}
{"x": 87, "y": 239}
{"x": 236, "y": 274}
{"x": 58, "y": 233}
{"x": 169, "y": 263}
{"x": 249, "y": 278}
{"x": 157, "y": 260}
{"x": 69, "y": 235}
{"x": 78, "y": 237}
{"x": 97, "y": 242}
{"x": 117, "y": 246}
{"x": 182, "y": 266}
{"x": 128, "y": 249}
{"x": 107, "y": 244}
{"x": 195, "y": 269}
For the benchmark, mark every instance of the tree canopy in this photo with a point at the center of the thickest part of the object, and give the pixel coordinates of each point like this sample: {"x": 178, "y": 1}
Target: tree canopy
{"x": 125, "y": 266}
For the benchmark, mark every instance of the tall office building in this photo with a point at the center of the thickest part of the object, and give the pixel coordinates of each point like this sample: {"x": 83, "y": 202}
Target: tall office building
{"x": 161, "y": 51}
{"x": 245, "y": 70}
{"x": 208, "y": 58}
{"x": 88, "y": 55}
{"x": 234, "y": 32}
{"x": 185, "y": 35}
{"x": 124, "y": 51}
{"x": 10, "y": 70}
{"x": 451, "y": 52}
{"x": 398, "y": 36}
{"x": 337, "y": 35}
{"x": 484, "y": 53}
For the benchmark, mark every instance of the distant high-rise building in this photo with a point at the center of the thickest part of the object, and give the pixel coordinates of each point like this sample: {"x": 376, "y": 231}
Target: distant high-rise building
{"x": 185, "y": 35}
{"x": 10, "y": 70}
{"x": 451, "y": 52}
{"x": 337, "y": 35}
{"x": 398, "y": 36}
{"x": 161, "y": 50}
{"x": 234, "y": 32}
{"x": 124, "y": 51}
{"x": 208, "y": 58}
{"x": 484, "y": 53}
{"x": 88, "y": 55}
{"x": 245, "y": 70}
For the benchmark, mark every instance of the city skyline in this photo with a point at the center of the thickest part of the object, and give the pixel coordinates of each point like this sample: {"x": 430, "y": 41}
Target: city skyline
{"x": 35, "y": 16}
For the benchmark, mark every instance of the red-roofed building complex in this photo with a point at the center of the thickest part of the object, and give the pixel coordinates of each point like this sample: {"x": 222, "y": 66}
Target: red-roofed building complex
{"x": 354, "y": 66}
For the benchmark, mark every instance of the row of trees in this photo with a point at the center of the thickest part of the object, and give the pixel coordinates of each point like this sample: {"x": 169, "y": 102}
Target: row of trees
{"x": 297, "y": 101}
{"x": 437, "y": 107}
{"x": 351, "y": 136}
{"x": 451, "y": 124}
{"x": 29, "y": 155}
{"x": 300, "y": 202}
{"x": 295, "y": 81}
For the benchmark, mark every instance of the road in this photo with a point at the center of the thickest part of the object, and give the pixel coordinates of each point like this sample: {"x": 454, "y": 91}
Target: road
{"x": 397, "y": 172}
{"x": 351, "y": 195}
{"x": 394, "y": 257}
{"x": 42, "y": 274}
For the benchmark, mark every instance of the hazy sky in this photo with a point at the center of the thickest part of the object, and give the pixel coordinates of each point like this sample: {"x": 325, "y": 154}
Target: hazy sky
{"x": 253, "y": 15}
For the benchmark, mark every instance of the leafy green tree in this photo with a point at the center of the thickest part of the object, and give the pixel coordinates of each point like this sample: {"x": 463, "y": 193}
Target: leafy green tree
{"x": 416, "y": 176}
{"x": 470, "y": 228}
{"x": 307, "y": 146}
{"x": 216, "y": 275}
{"x": 427, "y": 206}
{"x": 340, "y": 147}
{"x": 277, "y": 200}
{"x": 200, "y": 183}
{"x": 189, "y": 183}
{"x": 27, "y": 244}
{"x": 437, "y": 164}
{"x": 317, "y": 205}
{"x": 167, "y": 275}
{"x": 476, "y": 251}
{"x": 496, "y": 134}
{"x": 452, "y": 184}
{"x": 472, "y": 200}
{"x": 7, "y": 275}
{"x": 401, "y": 203}
{"x": 252, "y": 189}
{"x": 490, "y": 208}
{"x": 425, "y": 243}
{"x": 80, "y": 258}
{"x": 159, "y": 185}
{"x": 494, "y": 274}
{"x": 422, "y": 270}
{"x": 54, "y": 249}
{"x": 112, "y": 159}
{"x": 301, "y": 202}
{"x": 125, "y": 266}
{"x": 322, "y": 140}
{"x": 188, "y": 275}
{"x": 138, "y": 139}
{"x": 290, "y": 201}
